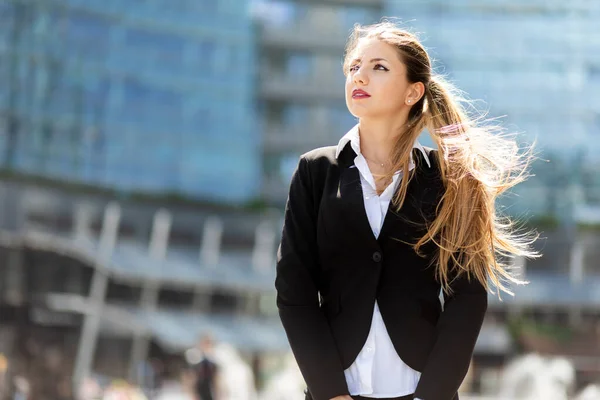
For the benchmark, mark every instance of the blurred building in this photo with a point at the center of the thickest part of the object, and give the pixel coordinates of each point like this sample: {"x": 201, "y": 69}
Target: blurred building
{"x": 148, "y": 96}
{"x": 498, "y": 51}
{"x": 301, "y": 90}
{"x": 217, "y": 100}
{"x": 168, "y": 277}
{"x": 537, "y": 64}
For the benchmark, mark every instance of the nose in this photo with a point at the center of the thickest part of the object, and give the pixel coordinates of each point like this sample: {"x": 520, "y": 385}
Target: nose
{"x": 360, "y": 77}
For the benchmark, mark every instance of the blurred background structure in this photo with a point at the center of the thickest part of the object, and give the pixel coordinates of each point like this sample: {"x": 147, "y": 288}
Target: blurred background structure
{"x": 146, "y": 148}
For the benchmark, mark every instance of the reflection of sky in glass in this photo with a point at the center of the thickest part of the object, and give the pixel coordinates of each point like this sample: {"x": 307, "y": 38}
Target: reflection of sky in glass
{"x": 275, "y": 13}
{"x": 299, "y": 64}
{"x": 287, "y": 166}
{"x": 295, "y": 115}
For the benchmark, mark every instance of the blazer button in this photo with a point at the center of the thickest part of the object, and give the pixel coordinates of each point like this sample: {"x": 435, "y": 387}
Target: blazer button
{"x": 377, "y": 256}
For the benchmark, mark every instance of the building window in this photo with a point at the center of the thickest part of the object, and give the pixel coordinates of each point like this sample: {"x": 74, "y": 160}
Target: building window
{"x": 277, "y": 13}
{"x": 295, "y": 115}
{"x": 594, "y": 73}
{"x": 340, "y": 118}
{"x": 223, "y": 59}
{"x": 96, "y": 93}
{"x": 150, "y": 107}
{"x": 5, "y": 60}
{"x": 353, "y": 15}
{"x": 6, "y": 19}
{"x": 281, "y": 166}
{"x": 299, "y": 64}
{"x": 204, "y": 55}
{"x": 153, "y": 49}
{"x": 88, "y": 35}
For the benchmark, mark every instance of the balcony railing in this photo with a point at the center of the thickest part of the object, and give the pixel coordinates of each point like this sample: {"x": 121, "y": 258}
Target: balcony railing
{"x": 280, "y": 138}
{"x": 304, "y": 36}
{"x": 279, "y": 86}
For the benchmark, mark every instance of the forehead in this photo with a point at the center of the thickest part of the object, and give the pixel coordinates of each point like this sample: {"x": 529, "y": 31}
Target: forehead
{"x": 368, "y": 48}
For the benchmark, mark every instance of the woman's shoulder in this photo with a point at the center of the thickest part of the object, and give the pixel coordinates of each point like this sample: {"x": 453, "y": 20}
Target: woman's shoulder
{"x": 326, "y": 153}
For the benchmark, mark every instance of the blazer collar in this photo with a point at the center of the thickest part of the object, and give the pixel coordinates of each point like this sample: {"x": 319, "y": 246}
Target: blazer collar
{"x": 349, "y": 146}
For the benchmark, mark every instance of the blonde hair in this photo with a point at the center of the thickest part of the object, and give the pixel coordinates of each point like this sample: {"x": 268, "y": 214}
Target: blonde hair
{"x": 477, "y": 164}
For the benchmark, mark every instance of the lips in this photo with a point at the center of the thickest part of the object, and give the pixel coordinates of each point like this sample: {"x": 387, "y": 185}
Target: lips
{"x": 360, "y": 94}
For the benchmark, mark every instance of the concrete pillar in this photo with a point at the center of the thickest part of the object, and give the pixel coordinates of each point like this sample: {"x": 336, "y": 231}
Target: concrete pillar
{"x": 157, "y": 249}
{"x": 12, "y": 209}
{"x": 91, "y": 325}
{"x": 263, "y": 256}
{"x": 210, "y": 252}
{"x": 212, "y": 236}
{"x": 82, "y": 221}
{"x": 575, "y": 317}
{"x": 15, "y": 283}
{"x": 576, "y": 268}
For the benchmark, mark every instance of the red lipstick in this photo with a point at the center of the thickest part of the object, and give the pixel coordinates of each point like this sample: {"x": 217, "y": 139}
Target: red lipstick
{"x": 360, "y": 94}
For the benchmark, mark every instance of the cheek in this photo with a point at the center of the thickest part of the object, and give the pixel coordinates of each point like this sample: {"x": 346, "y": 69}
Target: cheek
{"x": 348, "y": 91}
{"x": 348, "y": 86}
{"x": 393, "y": 95}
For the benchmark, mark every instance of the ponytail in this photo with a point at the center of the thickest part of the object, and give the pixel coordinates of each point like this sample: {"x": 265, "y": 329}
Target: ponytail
{"x": 477, "y": 164}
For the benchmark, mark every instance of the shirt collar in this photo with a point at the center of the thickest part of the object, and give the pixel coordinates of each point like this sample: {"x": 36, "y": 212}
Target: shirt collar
{"x": 353, "y": 137}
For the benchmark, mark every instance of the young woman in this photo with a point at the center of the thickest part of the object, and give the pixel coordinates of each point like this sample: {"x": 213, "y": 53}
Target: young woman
{"x": 377, "y": 225}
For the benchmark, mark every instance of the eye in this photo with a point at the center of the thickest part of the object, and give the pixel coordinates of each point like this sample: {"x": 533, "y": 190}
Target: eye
{"x": 380, "y": 67}
{"x": 353, "y": 68}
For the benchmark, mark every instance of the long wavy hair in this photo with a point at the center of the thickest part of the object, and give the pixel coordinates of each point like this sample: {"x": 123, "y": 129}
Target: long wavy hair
{"x": 478, "y": 162}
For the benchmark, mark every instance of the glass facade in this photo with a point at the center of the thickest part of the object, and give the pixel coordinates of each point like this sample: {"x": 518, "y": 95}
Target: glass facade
{"x": 301, "y": 59}
{"x": 534, "y": 62}
{"x": 149, "y": 96}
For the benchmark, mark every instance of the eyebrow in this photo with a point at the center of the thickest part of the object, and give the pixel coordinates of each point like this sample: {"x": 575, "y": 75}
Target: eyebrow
{"x": 372, "y": 60}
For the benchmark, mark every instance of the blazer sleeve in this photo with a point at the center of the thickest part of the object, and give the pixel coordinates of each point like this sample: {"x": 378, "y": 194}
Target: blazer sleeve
{"x": 296, "y": 283}
{"x": 457, "y": 331}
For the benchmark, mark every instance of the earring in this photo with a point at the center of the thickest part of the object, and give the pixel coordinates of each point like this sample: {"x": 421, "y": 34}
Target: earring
{"x": 409, "y": 101}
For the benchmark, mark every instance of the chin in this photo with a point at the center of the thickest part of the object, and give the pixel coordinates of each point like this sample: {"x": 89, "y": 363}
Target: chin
{"x": 362, "y": 114}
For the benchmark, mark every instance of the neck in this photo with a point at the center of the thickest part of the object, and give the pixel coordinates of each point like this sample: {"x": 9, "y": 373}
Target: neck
{"x": 378, "y": 138}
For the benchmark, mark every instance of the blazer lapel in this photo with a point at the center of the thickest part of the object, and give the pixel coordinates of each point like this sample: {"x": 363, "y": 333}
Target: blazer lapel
{"x": 351, "y": 195}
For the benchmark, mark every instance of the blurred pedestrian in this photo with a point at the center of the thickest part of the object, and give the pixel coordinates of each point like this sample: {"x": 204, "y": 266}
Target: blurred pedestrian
{"x": 206, "y": 370}
{"x": 378, "y": 225}
{"x": 3, "y": 374}
{"x": 22, "y": 388}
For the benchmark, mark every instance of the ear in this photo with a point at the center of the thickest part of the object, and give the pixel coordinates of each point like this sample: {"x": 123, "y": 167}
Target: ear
{"x": 415, "y": 92}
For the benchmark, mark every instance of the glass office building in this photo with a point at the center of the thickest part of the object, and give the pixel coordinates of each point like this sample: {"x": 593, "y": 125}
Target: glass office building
{"x": 301, "y": 88}
{"x": 535, "y": 62}
{"x": 152, "y": 96}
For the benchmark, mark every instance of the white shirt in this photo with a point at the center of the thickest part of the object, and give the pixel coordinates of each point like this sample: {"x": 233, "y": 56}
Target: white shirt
{"x": 378, "y": 371}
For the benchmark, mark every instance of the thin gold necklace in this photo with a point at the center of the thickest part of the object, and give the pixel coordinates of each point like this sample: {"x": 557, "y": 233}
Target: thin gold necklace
{"x": 375, "y": 162}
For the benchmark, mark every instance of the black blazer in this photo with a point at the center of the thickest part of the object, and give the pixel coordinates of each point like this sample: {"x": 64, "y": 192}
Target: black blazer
{"x": 331, "y": 269}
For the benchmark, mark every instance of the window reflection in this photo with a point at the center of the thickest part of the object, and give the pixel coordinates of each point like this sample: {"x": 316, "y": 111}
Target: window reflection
{"x": 88, "y": 35}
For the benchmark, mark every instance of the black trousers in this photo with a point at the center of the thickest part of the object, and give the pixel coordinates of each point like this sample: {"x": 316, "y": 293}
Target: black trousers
{"x": 407, "y": 397}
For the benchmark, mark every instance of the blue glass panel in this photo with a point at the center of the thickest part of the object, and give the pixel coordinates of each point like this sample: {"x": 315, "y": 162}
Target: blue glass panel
{"x": 295, "y": 115}
{"x": 6, "y": 20}
{"x": 353, "y": 15}
{"x": 341, "y": 119}
{"x": 4, "y": 77}
{"x": 159, "y": 49}
{"x": 95, "y": 95}
{"x": 299, "y": 64}
{"x": 88, "y": 35}
{"x": 203, "y": 54}
{"x": 278, "y": 13}
{"x": 149, "y": 106}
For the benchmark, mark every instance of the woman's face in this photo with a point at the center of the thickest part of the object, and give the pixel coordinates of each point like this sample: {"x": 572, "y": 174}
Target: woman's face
{"x": 376, "y": 83}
